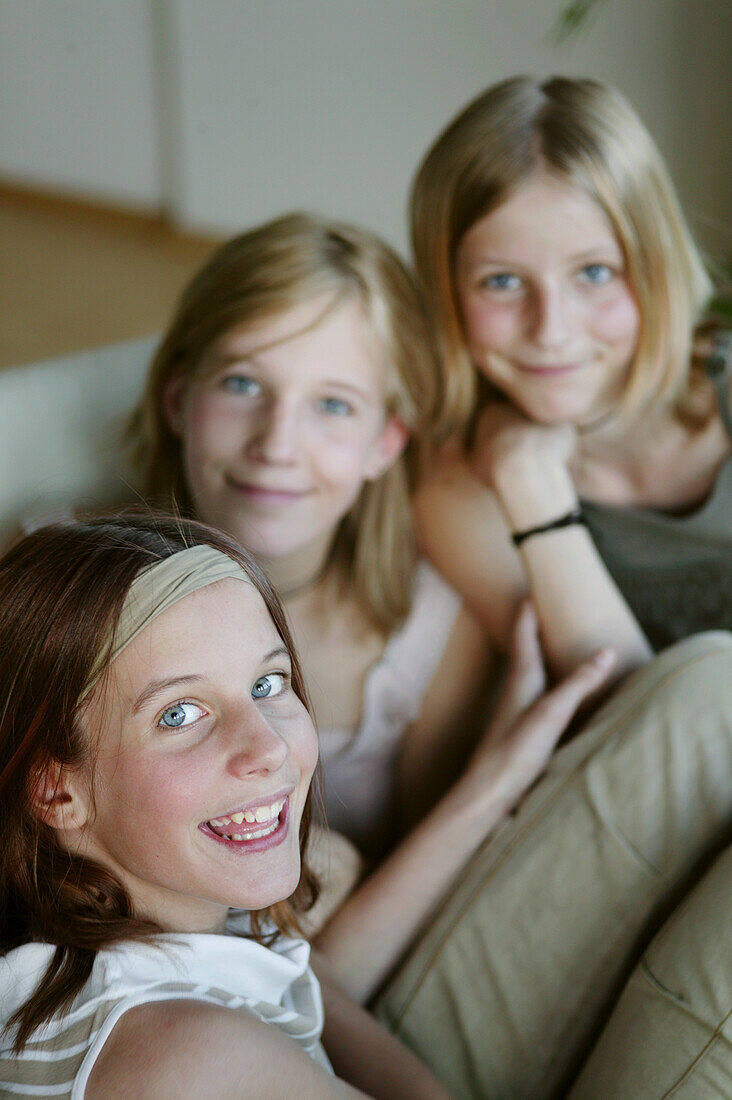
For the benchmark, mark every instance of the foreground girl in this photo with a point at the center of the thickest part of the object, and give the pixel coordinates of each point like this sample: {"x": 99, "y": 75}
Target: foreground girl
{"x": 156, "y": 753}
{"x": 150, "y": 690}
{"x": 284, "y": 406}
{"x": 591, "y": 457}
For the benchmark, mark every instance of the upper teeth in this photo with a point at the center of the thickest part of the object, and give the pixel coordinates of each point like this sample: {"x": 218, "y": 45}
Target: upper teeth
{"x": 258, "y": 815}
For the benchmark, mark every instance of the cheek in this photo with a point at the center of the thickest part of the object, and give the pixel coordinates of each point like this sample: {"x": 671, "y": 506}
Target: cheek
{"x": 306, "y": 750}
{"x": 489, "y": 326}
{"x": 210, "y": 427}
{"x": 165, "y": 792}
{"x": 343, "y": 459}
{"x": 617, "y": 320}
{"x": 214, "y": 434}
{"x": 202, "y": 439}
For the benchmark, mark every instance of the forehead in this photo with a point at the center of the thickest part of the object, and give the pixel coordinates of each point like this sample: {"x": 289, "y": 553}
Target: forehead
{"x": 318, "y": 339}
{"x": 547, "y": 217}
{"x": 219, "y": 633}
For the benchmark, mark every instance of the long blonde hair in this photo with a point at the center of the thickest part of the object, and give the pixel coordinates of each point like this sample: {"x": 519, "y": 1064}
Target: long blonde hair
{"x": 588, "y": 134}
{"x": 258, "y": 276}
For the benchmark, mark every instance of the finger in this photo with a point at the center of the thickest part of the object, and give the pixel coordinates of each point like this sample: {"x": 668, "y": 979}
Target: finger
{"x": 526, "y": 675}
{"x": 535, "y": 735}
{"x": 525, "y": 625}
{"x": 560, "y": 704}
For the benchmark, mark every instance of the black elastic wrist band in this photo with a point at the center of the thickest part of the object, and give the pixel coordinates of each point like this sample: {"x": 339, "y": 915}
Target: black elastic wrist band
{"x": 567, "y": 520}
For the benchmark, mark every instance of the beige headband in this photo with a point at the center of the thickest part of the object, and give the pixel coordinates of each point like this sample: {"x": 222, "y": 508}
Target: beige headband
{"x": 161, "y": 585}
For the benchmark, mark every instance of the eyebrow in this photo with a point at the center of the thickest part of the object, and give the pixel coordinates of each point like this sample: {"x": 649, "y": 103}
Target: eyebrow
{"x": 156, "y": 687}
{"x": 600, "y": 249}
{"x": 497, "y": 261}
{"x": 337, "y": 384}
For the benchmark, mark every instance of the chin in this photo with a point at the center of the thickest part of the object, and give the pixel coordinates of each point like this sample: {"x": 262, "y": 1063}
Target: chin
{"x": 553, "y": 414}
{"x": 273, "y": 892}
{"x": 547, "y": 416}
{"x": 253, "y": 539}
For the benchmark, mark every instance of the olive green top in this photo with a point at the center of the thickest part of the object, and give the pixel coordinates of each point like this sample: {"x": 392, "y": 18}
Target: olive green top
{"x": 675, "y": 571}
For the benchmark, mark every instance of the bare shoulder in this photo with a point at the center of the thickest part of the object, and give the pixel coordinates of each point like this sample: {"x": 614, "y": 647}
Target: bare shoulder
{"x": 450, "y": 470}
{"x": 169, "y": 1049}
{"x": 461, "y": 529}
{"x": 452, "y": 502}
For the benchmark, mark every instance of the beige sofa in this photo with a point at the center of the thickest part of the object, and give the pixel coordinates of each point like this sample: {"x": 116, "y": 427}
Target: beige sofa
{"x": 507, "y": 990}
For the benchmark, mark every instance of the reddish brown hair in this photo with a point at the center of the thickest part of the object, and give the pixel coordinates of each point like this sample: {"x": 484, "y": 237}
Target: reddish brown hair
{"x": 61, "y": 588}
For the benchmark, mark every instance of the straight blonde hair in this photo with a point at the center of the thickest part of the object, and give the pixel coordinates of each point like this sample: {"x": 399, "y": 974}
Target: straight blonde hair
{"x": 589, "y": 135}
{"x": 258, "y": 276}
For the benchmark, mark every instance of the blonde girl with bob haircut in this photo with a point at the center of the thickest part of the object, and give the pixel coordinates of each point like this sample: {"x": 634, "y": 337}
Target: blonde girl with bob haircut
{"x": 588, "y": 451}
{"x": 286, "y": 406}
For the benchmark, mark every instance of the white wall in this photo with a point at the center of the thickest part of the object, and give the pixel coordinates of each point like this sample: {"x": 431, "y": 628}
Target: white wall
{"x": 77, "y": 88}
{"x": 231, "y": 111}
{"x": 329, "y": 104}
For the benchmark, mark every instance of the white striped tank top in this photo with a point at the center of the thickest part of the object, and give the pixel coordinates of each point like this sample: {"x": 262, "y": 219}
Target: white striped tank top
{"x": 274, "y": 984}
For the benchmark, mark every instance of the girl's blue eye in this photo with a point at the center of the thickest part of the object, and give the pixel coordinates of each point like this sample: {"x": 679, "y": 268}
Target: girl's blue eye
{"x": 502, "y": 280}
{"x": 596, "y": 274}
{"x": 267, "y": 686}
{"x": 241, "y": 384}
{"x": 334, "y": 406}
{"x": 180, "y": 714}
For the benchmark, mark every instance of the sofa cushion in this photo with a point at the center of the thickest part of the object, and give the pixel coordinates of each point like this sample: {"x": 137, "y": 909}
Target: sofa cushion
{"x": 510, "y": 984}
{"x": 671, "y": 1032}
{"x": 61, "y": 424}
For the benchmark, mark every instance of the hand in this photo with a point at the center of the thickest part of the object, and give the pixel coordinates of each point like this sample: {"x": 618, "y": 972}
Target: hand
{"x": 529, "y": 720}
{"x": 506, "y": 441}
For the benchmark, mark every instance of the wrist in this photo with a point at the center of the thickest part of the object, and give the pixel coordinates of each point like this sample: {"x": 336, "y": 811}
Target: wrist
{"x": 571, "y": 518}
{"x": 481, "y": 796}
{"x": 536, "y": 495}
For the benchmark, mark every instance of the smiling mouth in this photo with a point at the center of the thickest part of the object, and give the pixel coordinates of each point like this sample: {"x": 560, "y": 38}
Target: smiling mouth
{"x": 266, "y": 495}
{"x": 550, "y": 369}
{"x": 255, "y": 828}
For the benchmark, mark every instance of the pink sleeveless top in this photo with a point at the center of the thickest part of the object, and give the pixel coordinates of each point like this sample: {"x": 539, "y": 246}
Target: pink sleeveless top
{"x": 359, "y": 769}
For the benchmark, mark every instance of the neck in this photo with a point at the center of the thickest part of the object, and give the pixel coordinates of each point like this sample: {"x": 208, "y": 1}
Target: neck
{"x": 613, "y": 436}
{"x": 613, "y": 463}
{"x": 299, "y": 573}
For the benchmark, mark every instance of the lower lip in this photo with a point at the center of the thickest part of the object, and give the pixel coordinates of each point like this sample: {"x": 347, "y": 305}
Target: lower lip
{"x": 264, "y": 496}
{"x": 550, "y": 371}
{"x": 257, "y": 844}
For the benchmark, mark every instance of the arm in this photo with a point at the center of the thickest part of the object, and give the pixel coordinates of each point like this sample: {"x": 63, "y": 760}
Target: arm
{"x": 363, "y": 1052}
{"x": 465, "y": 523}
{"x": 371, "y": 931}
{"x": 201, "y": 1049}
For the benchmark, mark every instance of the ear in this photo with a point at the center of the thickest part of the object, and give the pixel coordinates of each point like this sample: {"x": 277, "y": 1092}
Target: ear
{"x": 60, "y": 797}
{"x": 388, "y": 447}
{"x": 173, "y": 394}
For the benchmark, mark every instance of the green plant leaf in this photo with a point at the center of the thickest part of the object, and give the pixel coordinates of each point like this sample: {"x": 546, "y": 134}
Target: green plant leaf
{"x": 571, "y": 20}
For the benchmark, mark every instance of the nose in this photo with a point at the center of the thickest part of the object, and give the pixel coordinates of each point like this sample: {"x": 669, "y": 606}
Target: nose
{"x": 275, "y": 439}
{"x": 550, "y": 319}
{"x": 257, "y": 748}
